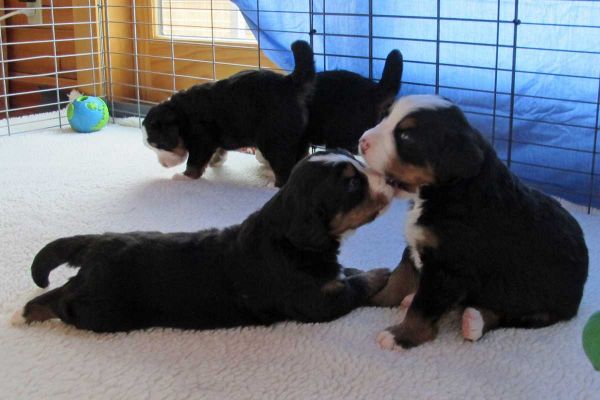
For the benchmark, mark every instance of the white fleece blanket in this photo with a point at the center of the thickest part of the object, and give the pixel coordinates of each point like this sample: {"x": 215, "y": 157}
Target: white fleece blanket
{"x": 55, "y": 183}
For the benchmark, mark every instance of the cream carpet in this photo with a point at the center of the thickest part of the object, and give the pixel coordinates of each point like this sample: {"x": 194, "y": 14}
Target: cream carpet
{"x": 55, "y": 183}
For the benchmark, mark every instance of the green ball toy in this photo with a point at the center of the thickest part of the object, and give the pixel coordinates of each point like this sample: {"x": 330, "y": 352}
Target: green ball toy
{"x": 591, "y": 340}
{"x": 87, "y": 114}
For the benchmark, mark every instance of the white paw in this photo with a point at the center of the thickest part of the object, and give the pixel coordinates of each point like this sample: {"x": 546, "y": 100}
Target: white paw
{"x": 407, "y": 301}
{"x": 270, "y": 184}
{"x": 17, "y": 318}
{"x": 218, "y": 163}
{"x": 386, "y": 341}
{"x": 181, "y": 177}
{"x": 218, "y": 159}
{"x": 472, "y": 324}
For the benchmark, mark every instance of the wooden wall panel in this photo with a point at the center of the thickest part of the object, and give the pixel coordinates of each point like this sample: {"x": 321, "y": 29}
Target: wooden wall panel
{"x": 189, "y": 54}
{"x": 38, "y": 75}
{"x": 77, "y": 38}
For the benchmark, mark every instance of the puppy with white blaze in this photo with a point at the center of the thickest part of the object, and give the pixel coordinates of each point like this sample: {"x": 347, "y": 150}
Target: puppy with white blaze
{"x": 279, "y": 264}
{"x": 477, "y": 237}
{"x": 262, "y": 109}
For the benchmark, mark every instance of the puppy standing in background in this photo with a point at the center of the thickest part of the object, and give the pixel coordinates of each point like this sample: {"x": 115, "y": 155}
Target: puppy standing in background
{"x": 344, "y": 104}
{"x": 260, "y": 109}
{"x": 477, "y": 237}
{"x": 279, "y": 264}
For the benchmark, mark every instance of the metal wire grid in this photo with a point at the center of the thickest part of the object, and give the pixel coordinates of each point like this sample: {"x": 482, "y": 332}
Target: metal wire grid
{"x": 135, "y": 100}
{"x": 53, "y": 89}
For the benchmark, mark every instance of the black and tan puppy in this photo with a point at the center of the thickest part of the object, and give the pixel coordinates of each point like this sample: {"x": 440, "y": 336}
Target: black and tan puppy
{"x": 344, "y": 104}
{"x": 260, "y": 109}
{"x": 279, "y": 264}
{"x": 477, "y": 236}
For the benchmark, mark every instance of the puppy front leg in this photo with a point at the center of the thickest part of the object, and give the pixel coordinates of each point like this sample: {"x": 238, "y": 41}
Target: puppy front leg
{"x": 196, "y": 164}
{"x": 341, "y": 296}
{"x": 403, "y": 282}
{"x": 437, "y": 293}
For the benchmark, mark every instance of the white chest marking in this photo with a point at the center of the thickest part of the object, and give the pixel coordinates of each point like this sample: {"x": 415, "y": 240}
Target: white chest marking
{"x": 414, "y": 232}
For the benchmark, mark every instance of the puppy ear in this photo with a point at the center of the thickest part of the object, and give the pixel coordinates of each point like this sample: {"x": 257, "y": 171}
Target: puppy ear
{"x": 461, "y": 158}
{"x": 307, "y": 231}
{"x": 172, "y": 134}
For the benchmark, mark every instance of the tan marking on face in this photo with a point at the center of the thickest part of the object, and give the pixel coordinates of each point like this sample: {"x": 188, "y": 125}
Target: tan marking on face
{"x": 377, "y": 199}
{"x": 410, "y": 175}
{"x": 408, "y": 123}
{"x": 364, "y": 213}
{"x": 349, "y": 171}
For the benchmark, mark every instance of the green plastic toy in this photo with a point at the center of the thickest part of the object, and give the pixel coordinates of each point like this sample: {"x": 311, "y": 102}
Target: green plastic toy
{"x": 591, "y": 340}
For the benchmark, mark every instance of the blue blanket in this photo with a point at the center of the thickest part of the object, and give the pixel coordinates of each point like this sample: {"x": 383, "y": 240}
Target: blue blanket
{"x": 532, "y": 87}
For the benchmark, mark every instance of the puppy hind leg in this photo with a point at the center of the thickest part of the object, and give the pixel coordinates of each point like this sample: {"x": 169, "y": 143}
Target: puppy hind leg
{"x": 282, "y": 168}
{"x": 533, "y": 320}
{"x": 218, "y": 158}
{"x": 41, "y": 308}
{"x": 477, "y": 321}
{"x": 261, "y": 158}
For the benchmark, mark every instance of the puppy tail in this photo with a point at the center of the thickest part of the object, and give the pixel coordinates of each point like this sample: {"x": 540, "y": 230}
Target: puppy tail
{"x": 392, "y": 73}
{"x": 304, "y": 70}
{"x": 60, "y": 251}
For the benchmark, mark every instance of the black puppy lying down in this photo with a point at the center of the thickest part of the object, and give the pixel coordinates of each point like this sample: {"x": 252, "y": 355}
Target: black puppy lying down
{"x": 279, "y": 264}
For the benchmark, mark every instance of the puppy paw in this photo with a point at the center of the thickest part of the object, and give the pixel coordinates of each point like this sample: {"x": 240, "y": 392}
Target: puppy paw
{"x": 351, "y": 271}
{"x": 386, "y": 341}
{"x": 17, "y": 318}
{"x": 407, "y": 301}
{"x": 271, "y": 185}
{"x": 218, "y": 158}
{"x": 472, "y": 324}
{"x": 376, "y": 279}
{"x": 261, "y": 159}
{"x": 412, "y": 332}
{"x": 181, "y": 177}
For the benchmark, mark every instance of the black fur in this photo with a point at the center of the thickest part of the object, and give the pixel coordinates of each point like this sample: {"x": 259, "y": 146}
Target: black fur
{"x": 500, "y": 245}
{"x": 344, "y": 104}
{"x": 252, "y": 108}
{"x": 279, "y": 264}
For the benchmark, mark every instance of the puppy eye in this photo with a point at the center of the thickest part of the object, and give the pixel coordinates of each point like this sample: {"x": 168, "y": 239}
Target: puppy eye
{"x": 405, "y": 136}
{"x": 354, "y": 184}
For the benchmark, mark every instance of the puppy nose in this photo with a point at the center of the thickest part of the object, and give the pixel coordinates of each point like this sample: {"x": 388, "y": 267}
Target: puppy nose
{"x": 363, "y": 145}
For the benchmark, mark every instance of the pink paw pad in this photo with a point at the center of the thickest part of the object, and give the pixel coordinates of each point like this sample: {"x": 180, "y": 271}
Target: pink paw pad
{"x": 407, "y": 301}
{"x": 472, "y": 324}
{"x": 386, "y": 341}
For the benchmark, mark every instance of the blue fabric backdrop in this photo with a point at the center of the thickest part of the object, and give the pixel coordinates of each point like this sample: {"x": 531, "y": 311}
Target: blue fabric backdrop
{"x": 553, "y": 71}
